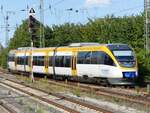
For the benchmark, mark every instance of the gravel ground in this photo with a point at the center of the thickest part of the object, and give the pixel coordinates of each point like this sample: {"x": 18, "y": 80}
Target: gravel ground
{"x": 3, "y": 110}
{"x": 63, "y": 102}
{"x": 116, "y": 107}
{"x": 106, "y": 104}
{"x": 24, "y": 103}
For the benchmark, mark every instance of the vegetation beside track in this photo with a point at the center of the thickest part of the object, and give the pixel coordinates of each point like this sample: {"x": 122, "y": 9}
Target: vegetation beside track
{"x": 111, "y": 29}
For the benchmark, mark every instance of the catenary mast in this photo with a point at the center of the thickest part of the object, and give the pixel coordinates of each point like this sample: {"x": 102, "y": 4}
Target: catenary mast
{"x": 147, "y": 24}
{"x": 42, "y": 37}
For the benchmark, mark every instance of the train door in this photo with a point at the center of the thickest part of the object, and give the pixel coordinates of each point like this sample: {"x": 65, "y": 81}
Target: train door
{"x": 25, "y": 60}
{"x": 29, "y": 61}
{"x": 20, "y": 61}
{"x": 38, "y": 62}
{"x": 46, "y": 63}
{"x": 73, "y": 64}
{"x": 63, "y": 63}
{"x": 16, "y": 61}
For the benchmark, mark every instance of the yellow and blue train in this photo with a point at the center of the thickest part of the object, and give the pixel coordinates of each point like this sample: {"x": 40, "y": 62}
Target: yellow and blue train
{"x": 101, "y": 63}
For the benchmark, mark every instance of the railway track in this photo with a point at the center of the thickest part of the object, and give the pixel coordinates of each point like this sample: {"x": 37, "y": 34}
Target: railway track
{"x": 104, "y": 91}
{"x": 30, "y": 91}
{"x": 6, "y": 108}
{"x": 139, "y": 99}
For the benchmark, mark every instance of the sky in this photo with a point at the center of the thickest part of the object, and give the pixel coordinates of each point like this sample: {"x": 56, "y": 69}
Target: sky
{"x": 59, "y": 11}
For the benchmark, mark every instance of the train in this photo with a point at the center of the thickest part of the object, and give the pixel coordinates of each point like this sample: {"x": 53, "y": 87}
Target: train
{"x": 113, "y": 64}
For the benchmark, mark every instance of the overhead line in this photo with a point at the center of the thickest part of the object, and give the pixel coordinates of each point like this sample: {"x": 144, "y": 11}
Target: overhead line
{"x": 60, "y": 1}
{"x": 124, "y": 10}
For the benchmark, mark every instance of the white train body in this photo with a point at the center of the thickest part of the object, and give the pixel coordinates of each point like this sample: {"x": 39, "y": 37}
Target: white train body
{"x": 114, "y": 62}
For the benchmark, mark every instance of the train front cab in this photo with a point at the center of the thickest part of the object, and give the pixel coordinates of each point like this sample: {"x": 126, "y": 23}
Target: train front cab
{"x": 126, "y": 63}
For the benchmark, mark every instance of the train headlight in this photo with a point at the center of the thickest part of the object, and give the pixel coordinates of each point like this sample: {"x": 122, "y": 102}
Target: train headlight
{"x": 127, "y": 64}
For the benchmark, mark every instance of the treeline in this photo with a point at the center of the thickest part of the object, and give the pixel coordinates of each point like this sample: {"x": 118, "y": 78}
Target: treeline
{"x": 111, "y": 29}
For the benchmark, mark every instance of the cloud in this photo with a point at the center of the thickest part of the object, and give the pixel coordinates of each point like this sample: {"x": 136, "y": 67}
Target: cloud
{"x": 93, "y": 3}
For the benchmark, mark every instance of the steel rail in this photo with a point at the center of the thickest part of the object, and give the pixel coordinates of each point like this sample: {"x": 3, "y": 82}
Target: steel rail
{"x": 67, "y": 98}
{"x": 7, "y": 107}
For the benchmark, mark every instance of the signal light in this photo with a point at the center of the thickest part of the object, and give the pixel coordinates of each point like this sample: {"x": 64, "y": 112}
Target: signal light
{"x": 32, "y": 21}
{"x": 33, "y": 37}
{"x": 32, "y": 29}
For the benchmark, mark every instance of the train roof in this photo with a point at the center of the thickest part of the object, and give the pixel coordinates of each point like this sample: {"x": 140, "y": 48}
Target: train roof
{"x": 118, "y": 46}
{"x": 12, "y": 52}
{"x": 112, "y": 46}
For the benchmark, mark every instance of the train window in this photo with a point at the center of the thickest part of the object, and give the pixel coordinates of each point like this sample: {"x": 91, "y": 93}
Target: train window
{"x": 21, "y": 60}
{"x": 38, "y": 60}
{"x": 50, "y": 61}
{"x": 26, "y": 60}
{"x": 62, "y": 61}
{"x": 11, "y": 58}
{"x": 84, "y": 57}
{"x": 18, "y": 60}
{"x": 80, "y": 57}
{"x": 108, "y": 60}
{"x": 87, "y": 58}
{"x": 94, "y": 58}
{"x": 97, "y": 57}
{"x": 34, "y": 60}
{"x": 59, "y": 61}
{"x": 67, "y": 61}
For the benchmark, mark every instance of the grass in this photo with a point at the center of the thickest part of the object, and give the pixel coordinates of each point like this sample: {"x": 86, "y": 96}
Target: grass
{"x": 30, "y": 108}
{"x": 77, "y": 91}
{"x": 39, "y": 110}
{"x": 34, "y": 108}
{"x": 137, "y": 88}
{"x": 21, "y": 102}
{"x": 148, "y": 88}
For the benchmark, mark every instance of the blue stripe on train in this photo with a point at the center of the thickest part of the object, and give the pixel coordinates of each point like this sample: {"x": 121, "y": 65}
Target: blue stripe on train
{"x": 129, "y": 74}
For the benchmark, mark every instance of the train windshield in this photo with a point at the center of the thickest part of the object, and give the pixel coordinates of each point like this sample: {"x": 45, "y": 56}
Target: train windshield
{"x": 123, "y": 54}
{"x": 125, "y": 57}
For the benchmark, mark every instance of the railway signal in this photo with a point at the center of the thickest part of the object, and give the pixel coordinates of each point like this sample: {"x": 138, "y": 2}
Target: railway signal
{"x": 32, "y": 24}
{"x": 32, "y": 31}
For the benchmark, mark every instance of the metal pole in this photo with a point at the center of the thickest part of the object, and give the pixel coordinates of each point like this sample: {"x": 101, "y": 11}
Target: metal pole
{"x": 31, "y": 13}
{"x": 7, "y": 26}
{"x": 148, "y": 88}
{"x": 40, "y": 27}
{"x": 42, "y": 41}
{"x": 6, "y": 30}
{"x": 31, "y": 75}
{"x": 42, "y": 38}
{"x": 146, "y": 9}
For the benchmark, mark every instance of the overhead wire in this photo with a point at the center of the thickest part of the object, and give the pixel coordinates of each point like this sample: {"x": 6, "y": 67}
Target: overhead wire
{"x": 128, "y": 9}
{"x": 57, "y": 3}
{"x": 86, "y": 10}
{"x": 81, "y": 11}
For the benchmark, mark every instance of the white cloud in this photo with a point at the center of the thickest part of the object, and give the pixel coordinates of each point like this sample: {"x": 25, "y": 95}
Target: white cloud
{"x": 93, "y": 3}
